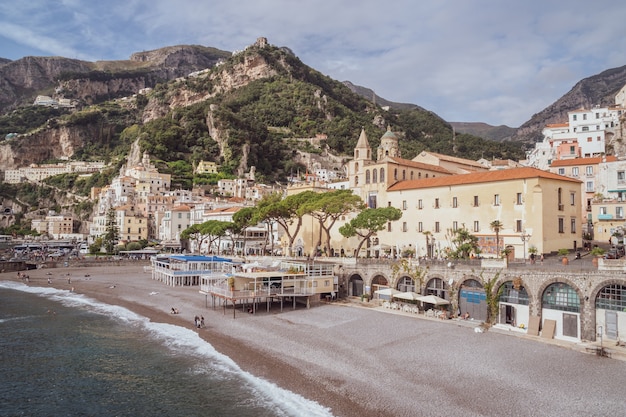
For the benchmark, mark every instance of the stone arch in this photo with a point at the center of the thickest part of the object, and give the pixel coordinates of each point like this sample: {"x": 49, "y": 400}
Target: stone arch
{"x": 514, "y": 302}
{"x": 472, "y": 298}
{"x": 355, "y": 286}
{"x": 544, "y": 285}
{"x": 436, "y": 285}
{"x": 406, "y": 283}
{"x": 596, "y": 320}
{"x": 565, "y": 318}
{"x": 379, "y": 281}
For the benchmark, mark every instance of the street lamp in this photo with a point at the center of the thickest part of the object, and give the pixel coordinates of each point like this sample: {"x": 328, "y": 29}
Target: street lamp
{"x": 525, "y": 237}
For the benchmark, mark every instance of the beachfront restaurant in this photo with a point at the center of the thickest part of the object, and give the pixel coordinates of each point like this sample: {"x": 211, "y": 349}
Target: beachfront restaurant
{"x": 186, "y": 270}
{"x": 293, "y": 283}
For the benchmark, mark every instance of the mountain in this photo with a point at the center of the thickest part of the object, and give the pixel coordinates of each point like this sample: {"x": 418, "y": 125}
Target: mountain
{"x": 369, "y": 94}
{"x": 599, "y": 89}
{"x": 258, "y": 107}
{"x": 91, "y": 82}
{"x": 484, "y": 130}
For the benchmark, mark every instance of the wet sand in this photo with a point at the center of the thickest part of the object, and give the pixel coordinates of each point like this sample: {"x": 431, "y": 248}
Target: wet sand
{"x": 366, "y": 362}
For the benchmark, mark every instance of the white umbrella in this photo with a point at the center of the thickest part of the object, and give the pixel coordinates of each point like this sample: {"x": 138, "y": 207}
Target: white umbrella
{"x": 410, "y": 295}
{"x": 390, "y": 292}
{"x": 433, "y": 299}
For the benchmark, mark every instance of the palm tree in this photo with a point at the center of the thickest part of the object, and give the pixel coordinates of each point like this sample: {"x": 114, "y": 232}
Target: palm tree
{"x": 496, "y": 226}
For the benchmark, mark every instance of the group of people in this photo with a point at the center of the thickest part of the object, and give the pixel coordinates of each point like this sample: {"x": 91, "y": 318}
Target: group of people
{"x": 174, "y": 310}
{"x": 199, "y": 321}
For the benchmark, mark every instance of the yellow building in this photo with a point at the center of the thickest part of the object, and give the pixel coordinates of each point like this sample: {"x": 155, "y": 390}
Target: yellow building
{"x": 133, "y": 226}
{"x": 206, "y": 167}
{"x": 536, "y": 209}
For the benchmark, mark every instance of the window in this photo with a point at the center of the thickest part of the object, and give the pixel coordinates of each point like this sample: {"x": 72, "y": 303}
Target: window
{"x": 367, "y": 176}
{"x": 476, "y": 226}
{"x": 395, "y": 174}
{"x": 572, "y": 150}
{"x": 560, "y": 296}
{"x": 572, "y": 225}
{"x": 597, "y": 115}
{"x": 455, "y": 226}
{"x": 589, "y": 186}
{"x": 584, "y": 116}
{"x": 572, "y": 198}
{"x": 496, "y": 199}
{"x": 621, "y": 177}
{"x": 561, "y": 171}
{"x": 404, "y": 227}
{"x": 612, "y": 297}
{"x": 389, "y": 226}
{"x": 589, "y": 170}
{"x": 436, "y": 203}
{"x": 574, "y": 117}
{"x": 574, "y": 171}
{"x": 420, "y": 204}
{"x": 371, "y": 200}
{"x": 602, "y": 210}
{"x": 561, "y": 225}
{"x": 518, "y": 199}
{"x": 518, "y": 226}
{"x": 437, "y": 227}
{"x": 475, "y": 201}
{"x": 420, "y": 227}
{"x": 403, "y": 174}
{"x": 455, "y": 202}
{"x": 619, "y": 212}
{"x": 374, "y": 176}
{"x": 403, "y": 204}
{"x": 585, "y": 129}
{"x": 382, "y": 175}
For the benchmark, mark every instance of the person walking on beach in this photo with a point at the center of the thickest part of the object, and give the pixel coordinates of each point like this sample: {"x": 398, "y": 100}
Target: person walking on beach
{"x": 202, "y": 321}
{"x": 196, "y": 321}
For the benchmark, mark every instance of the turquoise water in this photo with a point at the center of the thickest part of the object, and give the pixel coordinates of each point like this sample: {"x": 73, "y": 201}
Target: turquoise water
{"x": 63, "y": 354}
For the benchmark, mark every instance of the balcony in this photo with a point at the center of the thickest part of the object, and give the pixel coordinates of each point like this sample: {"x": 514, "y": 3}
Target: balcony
{"x": 605, "y": 217}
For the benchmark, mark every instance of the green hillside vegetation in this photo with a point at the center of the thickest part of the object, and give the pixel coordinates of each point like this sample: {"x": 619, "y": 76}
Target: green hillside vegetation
{"x": 256, "y": 120}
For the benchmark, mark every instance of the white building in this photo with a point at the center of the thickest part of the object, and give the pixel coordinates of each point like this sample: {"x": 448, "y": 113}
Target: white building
{"x": 584, "y": 135}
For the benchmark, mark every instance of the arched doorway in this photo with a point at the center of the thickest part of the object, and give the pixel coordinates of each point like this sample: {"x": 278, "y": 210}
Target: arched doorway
{"x": 472, "y": 300}
{"x": 560, "y": 302}
{"x": 513, "y": 303}
{"x": 355, "y": 286}
{"x": 406, "y": 284}
{"x": 379, "y": 282}
{"x": 611, "y": 311}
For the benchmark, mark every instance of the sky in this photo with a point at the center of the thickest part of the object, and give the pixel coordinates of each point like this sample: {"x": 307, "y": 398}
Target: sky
{"x": 491, "y": 61}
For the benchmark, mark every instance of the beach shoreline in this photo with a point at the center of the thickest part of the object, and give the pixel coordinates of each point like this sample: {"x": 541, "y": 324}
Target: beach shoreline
{"x": 362, "y": 362}
{"x": 114, "y": 285}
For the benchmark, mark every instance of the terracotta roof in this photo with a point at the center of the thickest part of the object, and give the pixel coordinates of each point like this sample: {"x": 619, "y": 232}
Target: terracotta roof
{"x": 455, "y": 159}
{"x": 479, "y": 177}
{"x": 420, "y": 165}
{"x": 566, "y": 124}
{"x": 583, "y": 161}
{"x": 182, "y": 207}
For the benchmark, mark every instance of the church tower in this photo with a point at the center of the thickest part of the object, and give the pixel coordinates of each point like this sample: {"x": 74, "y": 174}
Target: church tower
{"x": 388, "y": 146}
{"x": 363, "y": 151}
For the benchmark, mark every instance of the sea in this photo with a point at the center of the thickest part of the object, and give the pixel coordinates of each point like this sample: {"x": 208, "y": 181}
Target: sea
{"x": 64, "y": 354}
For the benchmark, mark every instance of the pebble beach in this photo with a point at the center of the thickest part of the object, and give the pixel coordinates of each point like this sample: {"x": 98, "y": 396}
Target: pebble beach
{"x": 359, "y": 360}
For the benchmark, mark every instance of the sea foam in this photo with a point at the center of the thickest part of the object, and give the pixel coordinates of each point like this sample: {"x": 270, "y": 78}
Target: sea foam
{"x": 185, "y": 341}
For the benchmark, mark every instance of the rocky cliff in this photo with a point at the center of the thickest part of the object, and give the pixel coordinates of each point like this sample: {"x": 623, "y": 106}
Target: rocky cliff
{"x": 89, "y": 82}
{"x": 599, "y": 90}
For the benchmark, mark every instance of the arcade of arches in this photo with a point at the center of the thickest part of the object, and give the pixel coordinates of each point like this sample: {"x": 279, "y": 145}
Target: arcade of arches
{"x": 581, "y": 304}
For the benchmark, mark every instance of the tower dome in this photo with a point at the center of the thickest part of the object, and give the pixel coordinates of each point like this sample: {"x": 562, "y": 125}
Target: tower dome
{"x": 388, "y": 145}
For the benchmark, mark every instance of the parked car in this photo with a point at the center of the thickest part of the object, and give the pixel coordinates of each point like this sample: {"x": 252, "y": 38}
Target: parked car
{"x": 612, "y": 254}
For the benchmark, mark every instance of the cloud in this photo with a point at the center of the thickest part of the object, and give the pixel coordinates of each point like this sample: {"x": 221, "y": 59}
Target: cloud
{"x": 480, "y": 60}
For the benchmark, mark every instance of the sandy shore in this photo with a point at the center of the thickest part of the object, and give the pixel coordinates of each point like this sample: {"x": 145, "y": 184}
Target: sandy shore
{"x": 365, "y": 362}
